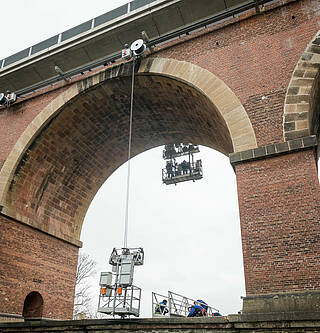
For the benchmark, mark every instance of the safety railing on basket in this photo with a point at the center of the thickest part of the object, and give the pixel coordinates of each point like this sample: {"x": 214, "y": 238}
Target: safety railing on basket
{"x": 175, "y": 305}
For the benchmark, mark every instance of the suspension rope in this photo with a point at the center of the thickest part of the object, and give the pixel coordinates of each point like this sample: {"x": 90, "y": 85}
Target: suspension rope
{"x": 125, "y": 240}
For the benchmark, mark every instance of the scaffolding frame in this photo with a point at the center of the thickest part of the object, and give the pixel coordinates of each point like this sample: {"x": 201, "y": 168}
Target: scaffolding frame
{"x": 193, "y": 172}
{"x": 177, "y": 150}
{"x": 125, "y": 304}
{"x": 156, "y": 305}
{"x": 118, "y": 296}
{"x": 175, "y": 172}
{"x": 177, "y": 305}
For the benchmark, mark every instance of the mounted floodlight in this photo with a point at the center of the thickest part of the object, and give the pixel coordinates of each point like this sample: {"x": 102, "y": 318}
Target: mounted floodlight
{"x": 8, "y": 98}
{"x": 146, "y": 39}
{"x": 138, "y": 47}
{"x": 60, "y": 72}
{"x": 145, "y": 36}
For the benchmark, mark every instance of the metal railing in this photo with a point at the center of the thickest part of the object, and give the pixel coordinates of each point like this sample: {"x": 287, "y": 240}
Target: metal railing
{"x": 178, "y": 173}
{"x": 159, "y": 309}
{"x": 232, "y": 12}
{"x": 177, "y": 150}
{"x": 115, "y": 301}
{"x": 176, "y": 305}
{"x": 75, "y": 31}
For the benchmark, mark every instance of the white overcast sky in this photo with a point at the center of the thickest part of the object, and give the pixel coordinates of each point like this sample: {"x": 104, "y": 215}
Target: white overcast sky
{"x": 190, "y": 232}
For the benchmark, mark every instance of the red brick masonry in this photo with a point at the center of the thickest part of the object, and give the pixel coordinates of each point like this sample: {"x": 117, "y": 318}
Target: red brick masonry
{"x": 279, "y": 200}
{"x": 33, "y": 261}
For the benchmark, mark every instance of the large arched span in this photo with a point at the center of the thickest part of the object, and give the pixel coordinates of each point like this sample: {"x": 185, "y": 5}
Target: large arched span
{"x": 80, "y": 138}
{"x": 302, "y": 111}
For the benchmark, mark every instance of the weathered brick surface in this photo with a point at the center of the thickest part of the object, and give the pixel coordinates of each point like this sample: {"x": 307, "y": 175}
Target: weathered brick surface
{"x": 33, "y": 261}
{"x": 61, "y": 171}
{"x": 14, "y": 120}
{"x": 256, "y": 58}
{"x": 69, "y": 161}
{"x": 279, "y": 201}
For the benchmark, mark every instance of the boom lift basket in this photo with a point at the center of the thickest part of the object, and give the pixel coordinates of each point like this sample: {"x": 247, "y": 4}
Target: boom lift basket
{"x": 120, "y": 297}
{"x": 120, "y": 301}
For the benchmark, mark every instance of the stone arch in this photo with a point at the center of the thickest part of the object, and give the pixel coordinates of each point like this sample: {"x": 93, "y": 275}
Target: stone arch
{"x": 33, "y": 306}
{"x": 231, "y": 109}
{"x": 301, "y": 112}
{"x": 238, "y": 134}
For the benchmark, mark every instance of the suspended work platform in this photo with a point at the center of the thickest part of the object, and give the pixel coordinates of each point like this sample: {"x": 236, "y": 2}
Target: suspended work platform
{"x": 178, "y": 174}
{"x": 175, "y": 172}
{"x": 120, "y": 301}
{"x": 179, "y": 149}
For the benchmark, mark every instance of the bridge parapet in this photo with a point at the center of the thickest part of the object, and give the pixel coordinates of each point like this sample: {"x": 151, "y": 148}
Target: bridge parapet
{"x": 233, "y": 323}
{"x": 100, "y": 40}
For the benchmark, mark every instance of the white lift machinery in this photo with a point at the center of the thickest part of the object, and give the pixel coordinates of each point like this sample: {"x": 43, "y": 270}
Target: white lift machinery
{"x": 118, "y": 296}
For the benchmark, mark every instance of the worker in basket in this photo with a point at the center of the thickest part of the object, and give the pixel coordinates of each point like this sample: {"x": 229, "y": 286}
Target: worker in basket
{"x": 204, "y": 305}
{"x": 162, "y": 308}
{"x": 196, "y": 310}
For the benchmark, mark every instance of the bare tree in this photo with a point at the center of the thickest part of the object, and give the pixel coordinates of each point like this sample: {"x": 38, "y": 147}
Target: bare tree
{"x": 82, "y": 300}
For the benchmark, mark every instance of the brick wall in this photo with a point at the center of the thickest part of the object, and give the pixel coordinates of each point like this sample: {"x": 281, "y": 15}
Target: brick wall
{"x": 65, "y": 166}
{"x": 14, "y": 120}
{"x": 278, "y": 197}
{"x": 255, "y": 57}
{"x": 33, "y": 261}
{"x": 279, "y": 201}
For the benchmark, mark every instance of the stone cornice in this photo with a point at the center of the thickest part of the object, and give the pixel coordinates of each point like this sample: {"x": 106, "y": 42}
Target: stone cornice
{"x": 273, "y": 149}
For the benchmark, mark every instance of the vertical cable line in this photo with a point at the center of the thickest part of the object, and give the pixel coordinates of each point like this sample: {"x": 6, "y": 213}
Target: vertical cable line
{"x": 125, "y": 240}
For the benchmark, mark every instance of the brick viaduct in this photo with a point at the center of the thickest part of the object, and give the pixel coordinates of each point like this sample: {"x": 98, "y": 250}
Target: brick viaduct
{"x": 247, "y": 87}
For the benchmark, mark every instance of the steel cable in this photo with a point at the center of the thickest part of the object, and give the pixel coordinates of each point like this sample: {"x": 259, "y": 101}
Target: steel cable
{"x": 125, "y": 240}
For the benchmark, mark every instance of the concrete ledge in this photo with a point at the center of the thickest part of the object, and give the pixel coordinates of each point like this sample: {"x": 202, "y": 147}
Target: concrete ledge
{"x": 273, "y": 149}
{"x": 293, "y": 304}
{"x": 8, "y": 317}
{"x": 231, "y": 323}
